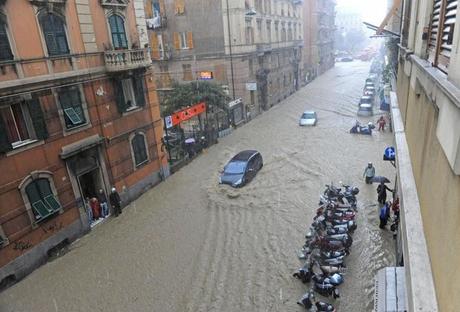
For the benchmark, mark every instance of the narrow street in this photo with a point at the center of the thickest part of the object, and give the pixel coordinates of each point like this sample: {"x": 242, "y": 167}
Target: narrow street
{"x": 190, "y": 244}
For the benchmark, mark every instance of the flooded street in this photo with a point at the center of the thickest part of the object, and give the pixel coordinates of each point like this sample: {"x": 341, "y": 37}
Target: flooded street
{"x": 190, "y": 244}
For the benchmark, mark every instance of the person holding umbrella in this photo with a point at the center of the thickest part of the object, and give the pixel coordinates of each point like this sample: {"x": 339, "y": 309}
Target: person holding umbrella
{"x": 382, "y": 192}
{"x": 369, "y": 173}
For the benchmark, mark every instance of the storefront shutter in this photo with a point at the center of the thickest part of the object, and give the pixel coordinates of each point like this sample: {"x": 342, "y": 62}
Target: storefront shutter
{"x": 119, "y": 96}
{"x": 190, "y": 40}
{"x": 176, "y": 41}
{"x": 38, "y": 119}
{"x": 139, "y": 84}
{"x": 155, "y": 47}
{"x": 5, "y": 145}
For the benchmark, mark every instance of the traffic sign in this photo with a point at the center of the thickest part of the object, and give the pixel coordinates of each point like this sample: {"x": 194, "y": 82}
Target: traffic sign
{"x": 389, "y": 154}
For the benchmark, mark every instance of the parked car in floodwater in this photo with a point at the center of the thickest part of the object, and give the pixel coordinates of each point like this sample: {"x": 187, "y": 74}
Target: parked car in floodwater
{"x": 308, "y": 118}
{"x": 242, "y": 168}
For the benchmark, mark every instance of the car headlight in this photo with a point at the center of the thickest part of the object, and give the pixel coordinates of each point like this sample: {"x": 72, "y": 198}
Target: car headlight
{"x": 238, "y": 182}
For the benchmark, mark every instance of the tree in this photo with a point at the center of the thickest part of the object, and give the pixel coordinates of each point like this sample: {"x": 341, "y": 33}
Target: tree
{"x": 184, "y": 95}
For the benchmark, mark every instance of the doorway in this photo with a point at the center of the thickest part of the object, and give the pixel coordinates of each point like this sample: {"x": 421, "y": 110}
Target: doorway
{"x": 90, "y": 183}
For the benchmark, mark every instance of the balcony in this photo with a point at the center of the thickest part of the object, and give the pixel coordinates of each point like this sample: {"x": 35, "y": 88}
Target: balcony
{"x": 158, "y": 22}
{"x": 121, "y": 60}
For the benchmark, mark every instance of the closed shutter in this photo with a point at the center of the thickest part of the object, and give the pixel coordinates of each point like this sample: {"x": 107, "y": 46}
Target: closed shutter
{"x": 179, "y": 7}
{"x": 5, "y": 145}
{"x": 5, "y": 49}
{"x": 149, "y": 9}
{"x": 220, "y": 72}
{"x": 190, "y": 40}
{"x": 447, "y": 34}
{"x": 38, "y": 119}
{"x": 119, "y": 96}
{"x": 139, "y": 85}
{"x": 139, "y": 148}
{"x": 176, "y": 41}
{"x": 162, "y": 7}
{"x": 155, "y": 47}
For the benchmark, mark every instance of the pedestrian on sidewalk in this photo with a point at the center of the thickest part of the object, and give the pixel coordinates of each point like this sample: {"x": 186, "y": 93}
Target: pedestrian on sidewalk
{"x": 369, "y": 173}
{"x": 103, "y": 202}
{"x": 382, "y": 193}
{"x": 115, "y": 201}
{"x": 381, "y": 123}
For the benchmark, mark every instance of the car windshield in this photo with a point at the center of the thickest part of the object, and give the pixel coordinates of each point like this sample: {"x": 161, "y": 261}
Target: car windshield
{"x": 308, "y": 116}
{"x": 235, "y": 167}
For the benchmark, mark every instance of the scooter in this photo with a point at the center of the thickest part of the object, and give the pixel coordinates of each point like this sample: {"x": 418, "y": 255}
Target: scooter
{"x": 335, "y": 279}
{"x": 326, "y": 290}
{"x": 308, "y": 302}
{"x": 366, "y": 130}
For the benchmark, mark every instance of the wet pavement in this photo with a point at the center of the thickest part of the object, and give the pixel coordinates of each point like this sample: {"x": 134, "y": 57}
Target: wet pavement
{"x": 190, "y": 244}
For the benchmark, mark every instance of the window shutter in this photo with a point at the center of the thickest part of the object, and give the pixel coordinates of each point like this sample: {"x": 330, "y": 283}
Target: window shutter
{"x": 176, "y": 41}
{"x": 5, "y": 145}
{"x": 119, "y": 96}
{"x": 189, "y": 40}
{"x": 149, "y": 9}
{"x": 155, "y": 48}
{"x": 162, "y": 7}
{"x": 447, "y": 34}
{"x": 180, "y": 7}
{"x": 139, "y": 84}
{"x": 38, "y": 119}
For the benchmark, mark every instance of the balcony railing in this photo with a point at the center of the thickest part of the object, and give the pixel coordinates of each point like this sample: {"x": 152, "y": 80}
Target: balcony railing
{"x": 120, "y": 60}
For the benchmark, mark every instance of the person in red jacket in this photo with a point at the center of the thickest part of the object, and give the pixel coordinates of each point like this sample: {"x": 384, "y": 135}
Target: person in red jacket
{"x": 381, "y": 123}
{"x": 96, "y": 208}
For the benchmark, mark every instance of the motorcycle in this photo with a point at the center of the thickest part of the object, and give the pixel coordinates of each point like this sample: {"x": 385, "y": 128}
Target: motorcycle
{"x": 366, "y": 130}
{"x": 335, "y": 279}
{"x": 326, "y": 290}
{"x": 308, "y": 302}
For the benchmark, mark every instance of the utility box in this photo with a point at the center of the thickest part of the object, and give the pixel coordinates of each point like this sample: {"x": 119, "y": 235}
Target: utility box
{"x": 390, "y": 290}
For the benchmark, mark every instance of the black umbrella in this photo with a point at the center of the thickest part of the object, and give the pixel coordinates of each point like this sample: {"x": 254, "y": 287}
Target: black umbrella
{"x": 379, "y": 179}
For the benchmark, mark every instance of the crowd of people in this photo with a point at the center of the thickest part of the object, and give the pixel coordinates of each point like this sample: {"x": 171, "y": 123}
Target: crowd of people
{"x": 97, "y": 207}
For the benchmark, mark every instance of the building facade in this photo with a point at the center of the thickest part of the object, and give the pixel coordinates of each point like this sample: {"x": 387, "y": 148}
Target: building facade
{"x": 428, "y": 93}
{"x": 252, "y": 48}
{"x": 78, "y": 114}
{"x": 319, "y": 30}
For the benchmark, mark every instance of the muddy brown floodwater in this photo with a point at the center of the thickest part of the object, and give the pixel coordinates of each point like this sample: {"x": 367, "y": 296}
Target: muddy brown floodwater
{"x": 190, "y": 244}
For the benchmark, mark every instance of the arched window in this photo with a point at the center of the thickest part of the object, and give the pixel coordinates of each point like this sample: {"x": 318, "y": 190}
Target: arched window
{"x": 117, "y": 28}
{"x": 5, "y": 49}
{"x": 41, "y": 198}
{"x": 138, "y": 144}
{"x": 54, "y": 33}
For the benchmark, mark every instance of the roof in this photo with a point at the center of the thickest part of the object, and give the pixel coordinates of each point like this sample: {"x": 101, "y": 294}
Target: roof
{"x": 244, "y": 155}
{"x": 309, "y": 112}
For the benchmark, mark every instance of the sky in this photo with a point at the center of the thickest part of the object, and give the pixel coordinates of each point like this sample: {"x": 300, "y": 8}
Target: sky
{"x": 372, "y": 11}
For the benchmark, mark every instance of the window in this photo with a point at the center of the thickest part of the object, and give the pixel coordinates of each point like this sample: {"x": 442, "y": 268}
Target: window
{"x": 161, "y": 48}
{"x": 283, "y": 33}
{"x": 249, "y": 33}
{"x": 269, "y": 31}
{"x": 54, "y": 33}
{"x": 187, "y": 72}
{"x": 71, "y": 106}
{"x": 441, "y": 33}
{"x": 277, "y": 33}
{"x": 20, "y": 124}
{"x": 259, "y": 30}
{"x": 180, "y": 7}
{"x": 117, "y": 28}
{"x": 42, "y": 200}
{"x": 139, "y": 149}
{"x": 130, "y": 93}
{"x": 183, "y": 40}
{"x": 5, "y": 49}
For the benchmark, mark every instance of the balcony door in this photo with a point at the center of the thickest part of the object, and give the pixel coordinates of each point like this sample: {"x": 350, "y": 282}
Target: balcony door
{"x": 117, "y": 28}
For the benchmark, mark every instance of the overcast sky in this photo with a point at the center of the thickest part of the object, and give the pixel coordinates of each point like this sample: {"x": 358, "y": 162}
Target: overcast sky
{"x": 372, "y": 11}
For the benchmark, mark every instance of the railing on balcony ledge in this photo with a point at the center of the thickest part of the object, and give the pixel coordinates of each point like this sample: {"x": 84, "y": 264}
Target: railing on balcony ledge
{"x": 120, "y": 60}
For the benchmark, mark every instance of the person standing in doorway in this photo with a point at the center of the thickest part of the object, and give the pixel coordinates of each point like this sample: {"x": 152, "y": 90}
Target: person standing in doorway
{"x": 369, "y": 173}
{"x": 115, "y": 201}
{"x": 103, "y": 202}
{"x": 89, "y": 210}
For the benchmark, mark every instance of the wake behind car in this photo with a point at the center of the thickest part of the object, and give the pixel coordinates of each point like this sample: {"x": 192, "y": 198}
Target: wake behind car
{"x": 308, "y": 118}
{"x": 242, "y": 168}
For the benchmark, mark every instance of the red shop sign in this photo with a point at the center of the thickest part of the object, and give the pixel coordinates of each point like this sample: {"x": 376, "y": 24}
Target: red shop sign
{"x": 183, "y": 115}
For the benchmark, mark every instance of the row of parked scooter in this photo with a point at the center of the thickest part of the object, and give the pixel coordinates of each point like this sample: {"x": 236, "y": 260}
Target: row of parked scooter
{"x": 328, "y": 242}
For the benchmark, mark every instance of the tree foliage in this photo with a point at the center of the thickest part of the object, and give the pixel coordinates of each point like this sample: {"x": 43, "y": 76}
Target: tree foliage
{"x": 184, "y": 95}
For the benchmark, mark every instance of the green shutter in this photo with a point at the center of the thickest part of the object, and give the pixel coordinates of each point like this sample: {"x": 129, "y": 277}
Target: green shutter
{"x": 139, "y": 85}
{"x": 38, "y": 120}
{"x": 119, "y": 96}
{"x": 5, "y": 145}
